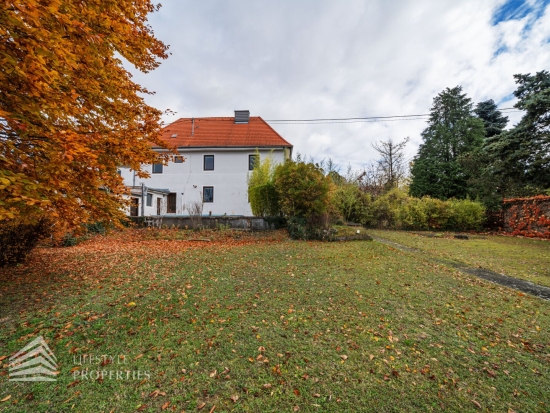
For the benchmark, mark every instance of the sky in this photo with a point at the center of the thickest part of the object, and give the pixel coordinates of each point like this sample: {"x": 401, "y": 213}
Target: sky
{"x": 304, "y": 59}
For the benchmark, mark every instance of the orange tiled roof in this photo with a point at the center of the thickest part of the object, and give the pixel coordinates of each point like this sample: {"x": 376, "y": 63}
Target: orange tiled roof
{"x": 222, "y": 132}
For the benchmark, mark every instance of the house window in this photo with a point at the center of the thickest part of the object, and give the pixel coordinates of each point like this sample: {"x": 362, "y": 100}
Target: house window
{"x": 119, "y": 172}
{"x": 149, "y": 199}
{"x": 178, "y": 159}
{"x": 252, "y": 159}
{"x": 157, "y": 168}
{"x": 207, "y": 194}
{"x": 208, "y": 162}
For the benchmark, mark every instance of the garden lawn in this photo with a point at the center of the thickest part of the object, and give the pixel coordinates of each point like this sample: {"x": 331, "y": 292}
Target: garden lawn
{"x": 524, "y": 258}
{"x": 259, "y": 323}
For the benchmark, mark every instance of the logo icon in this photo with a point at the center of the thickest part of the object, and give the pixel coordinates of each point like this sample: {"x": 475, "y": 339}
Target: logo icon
{"x": 34, "y": 362}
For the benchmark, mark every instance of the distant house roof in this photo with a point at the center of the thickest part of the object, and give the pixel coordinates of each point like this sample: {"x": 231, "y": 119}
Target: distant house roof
{"x": 221, "y": 133}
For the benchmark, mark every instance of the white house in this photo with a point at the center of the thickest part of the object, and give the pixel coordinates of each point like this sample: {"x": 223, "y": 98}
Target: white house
{"x": 210, "y": 170}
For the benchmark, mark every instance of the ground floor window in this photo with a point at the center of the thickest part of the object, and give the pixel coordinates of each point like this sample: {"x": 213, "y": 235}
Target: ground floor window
{"x": 207, "y": 194}
{"x": 149, "y": 199}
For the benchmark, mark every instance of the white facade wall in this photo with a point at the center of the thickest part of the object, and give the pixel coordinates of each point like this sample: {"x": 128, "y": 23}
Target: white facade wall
{"x": 148, "y": 210}
{"x": 187, "y": 179}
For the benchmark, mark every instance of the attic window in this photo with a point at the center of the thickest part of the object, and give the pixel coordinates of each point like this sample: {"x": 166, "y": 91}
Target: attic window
{"x": 175, "y": 135}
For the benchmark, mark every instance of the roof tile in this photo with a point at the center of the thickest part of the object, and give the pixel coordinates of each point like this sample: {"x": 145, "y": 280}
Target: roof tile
{"x": 222, "y": 132}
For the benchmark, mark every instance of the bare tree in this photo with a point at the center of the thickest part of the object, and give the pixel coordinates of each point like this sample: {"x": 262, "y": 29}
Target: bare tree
{"x": 392, "y": 162}
{"x": 195, "y": 213}
{"x": 372, "y": 179}
{"x": 162, "y": 212}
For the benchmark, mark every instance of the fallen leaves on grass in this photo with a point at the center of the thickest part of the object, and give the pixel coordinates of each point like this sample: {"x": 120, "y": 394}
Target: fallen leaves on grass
{"x": 72, "y": 397}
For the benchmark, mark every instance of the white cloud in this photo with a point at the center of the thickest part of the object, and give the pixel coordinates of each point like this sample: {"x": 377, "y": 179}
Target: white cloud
{"x": 351, "y": 58}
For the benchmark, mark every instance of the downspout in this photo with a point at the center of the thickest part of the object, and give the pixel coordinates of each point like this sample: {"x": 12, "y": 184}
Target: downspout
{"x": 193, "y": 127}
{"x": 142, "y": 199}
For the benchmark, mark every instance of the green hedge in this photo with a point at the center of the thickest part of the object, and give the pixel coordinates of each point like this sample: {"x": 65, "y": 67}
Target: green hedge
{"x": 264, "y": 199}
{"x": 397, "y": 210}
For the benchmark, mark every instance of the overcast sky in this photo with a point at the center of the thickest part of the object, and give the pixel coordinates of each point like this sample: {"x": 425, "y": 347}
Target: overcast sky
{"x": 304, "y": 59}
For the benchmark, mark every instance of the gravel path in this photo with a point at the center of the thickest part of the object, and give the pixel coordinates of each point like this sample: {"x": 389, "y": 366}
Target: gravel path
{"x": 494, "y": 277}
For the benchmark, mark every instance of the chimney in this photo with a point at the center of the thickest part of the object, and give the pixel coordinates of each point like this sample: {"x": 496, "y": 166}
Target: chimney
{"x": 242, "y": 116}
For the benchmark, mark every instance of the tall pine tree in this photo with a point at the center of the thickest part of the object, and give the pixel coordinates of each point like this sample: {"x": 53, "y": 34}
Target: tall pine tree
{"x": 492, "y": 118}
{"x": 521, "y": 156}
{"x": 452, "y": 132}
{"x": 483, "y": 185}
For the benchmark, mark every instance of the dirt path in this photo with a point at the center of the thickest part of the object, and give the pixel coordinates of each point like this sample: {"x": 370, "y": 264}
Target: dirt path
{"x": 494, "y": 277}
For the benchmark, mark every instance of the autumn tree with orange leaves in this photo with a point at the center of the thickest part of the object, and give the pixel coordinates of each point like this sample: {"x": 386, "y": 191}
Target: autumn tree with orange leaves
{"x": 70, "y": 114}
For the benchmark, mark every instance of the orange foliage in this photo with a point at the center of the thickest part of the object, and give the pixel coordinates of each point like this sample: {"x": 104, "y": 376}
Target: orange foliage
{"x": 69, "y": 113}
{"x": 529, "y": 217}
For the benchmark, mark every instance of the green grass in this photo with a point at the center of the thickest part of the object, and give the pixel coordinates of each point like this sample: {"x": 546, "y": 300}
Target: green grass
{"x": 274, "y": 324}
{"x": 523, "y": 258}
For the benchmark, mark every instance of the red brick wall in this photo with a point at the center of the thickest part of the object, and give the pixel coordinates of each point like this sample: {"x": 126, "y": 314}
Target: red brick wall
{"x": 529, "y": 217}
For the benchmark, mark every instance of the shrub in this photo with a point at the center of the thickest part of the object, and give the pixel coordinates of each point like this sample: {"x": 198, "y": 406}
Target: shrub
{"x": 69, "y": 240}
{"x": 387, "y": 209}
{"x": 397, "y": 210}
{"x": 414, "y": 214}
{"x": 262, "y": 194}
{"x": 437, "y": 212}
{"x": 352, "y": 204}
{"x": 305, "y": 195}
{"x": 95, "y": 228}
{"x": 466, "y": 214}
{"x": 312, "y": 228}
{"x": 304, "y": 191}
{"x": 277, "y": 221}
{"x": 264, "y": 200}
{"x": 18, "y": 239}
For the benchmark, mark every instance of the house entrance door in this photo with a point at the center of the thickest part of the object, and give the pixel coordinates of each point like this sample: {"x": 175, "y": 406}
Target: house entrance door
{"x": 134, "y": 207}
{"x": 171, "y": 207}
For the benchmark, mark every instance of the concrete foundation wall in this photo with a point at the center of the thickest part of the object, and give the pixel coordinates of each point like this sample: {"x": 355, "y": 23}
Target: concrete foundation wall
{"x": 252, "y": 223}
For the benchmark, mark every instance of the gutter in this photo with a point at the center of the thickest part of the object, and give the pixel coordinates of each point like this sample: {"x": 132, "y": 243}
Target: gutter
{"x": 221, "y": 148}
